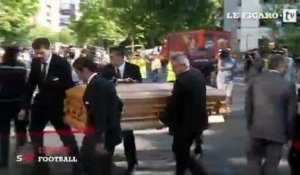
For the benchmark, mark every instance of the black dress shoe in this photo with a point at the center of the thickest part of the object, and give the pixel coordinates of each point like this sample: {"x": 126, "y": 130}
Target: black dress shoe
{"x": 41, "y": 168}
{"x": 131, "y": 168}
{"x": 4, "y": 165}
{"x": 198, "y": 150}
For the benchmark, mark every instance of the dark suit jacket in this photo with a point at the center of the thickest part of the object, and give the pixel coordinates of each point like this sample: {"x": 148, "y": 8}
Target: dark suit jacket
{"x": 52, "y": 89}
{"x": 255, "y": 69}
{"x": 296, "y": 132}
{"x": 102, "y": 104}
{"x": 185, "y": 112}
{"x": 271, "y": 107}
{"x": 12, "y": 82}
{"x": 131, "y": 71}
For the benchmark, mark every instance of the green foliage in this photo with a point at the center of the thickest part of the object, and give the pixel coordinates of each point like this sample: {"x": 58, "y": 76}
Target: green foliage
{"x": 43, "y": 31}
{"x": 264, "y": 45}
{"x": 97, "y": 23}
{"x": 291, "y": 38}
{"x": 65, "y": 36}
{"x": 15, "y": 20}
{"x": 143, "y": 20}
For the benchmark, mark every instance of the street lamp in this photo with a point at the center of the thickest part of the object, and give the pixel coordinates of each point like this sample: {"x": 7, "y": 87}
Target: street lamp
{"x": 247, "y": 40}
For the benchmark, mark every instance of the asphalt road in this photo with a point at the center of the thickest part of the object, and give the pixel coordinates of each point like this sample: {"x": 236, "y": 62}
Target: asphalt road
{"x": 224, "y": 147}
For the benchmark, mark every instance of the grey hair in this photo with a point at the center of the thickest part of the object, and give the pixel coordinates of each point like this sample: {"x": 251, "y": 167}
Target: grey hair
{"x": 181, "y": 59}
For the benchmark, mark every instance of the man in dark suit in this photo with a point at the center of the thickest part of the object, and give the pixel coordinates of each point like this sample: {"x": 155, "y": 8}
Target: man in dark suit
{"x": 124, "y": 72}
{"x": 103, "y": 131}
{"x": 186, "y": 114}
{"x": 294, "y": 153}
{"x": 271, "y": 108}
{"x": 121, "y": 70}
{"x": 52, "y": 75}
{"x": 253, "y": 65}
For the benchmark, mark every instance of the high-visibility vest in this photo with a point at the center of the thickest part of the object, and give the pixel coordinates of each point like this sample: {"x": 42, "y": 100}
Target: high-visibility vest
{"x": 170, "y": 73}
{"x": 141, "y": 63}
{"x": 266, "y": 63}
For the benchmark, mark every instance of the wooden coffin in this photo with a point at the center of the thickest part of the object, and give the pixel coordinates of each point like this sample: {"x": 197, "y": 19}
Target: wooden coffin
{"x": 142, "y": 104}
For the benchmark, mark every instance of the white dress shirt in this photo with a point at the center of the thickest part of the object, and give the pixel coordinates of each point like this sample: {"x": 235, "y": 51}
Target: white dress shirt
{"x": 297, "y": 87}
{"x": 91, "y": 77}
{"x": 121, "y": 69}
{"x": 274, "y": 71}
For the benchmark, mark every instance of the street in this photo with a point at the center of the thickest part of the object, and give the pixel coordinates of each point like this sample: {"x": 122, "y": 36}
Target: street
{"x": 48, "y": 48}
{"x": 224, "y": 147}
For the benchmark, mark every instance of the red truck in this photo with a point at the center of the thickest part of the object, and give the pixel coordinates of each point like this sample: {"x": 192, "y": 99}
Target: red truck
{"x": 201, "y": 47}
{"x": 196, "y": 44}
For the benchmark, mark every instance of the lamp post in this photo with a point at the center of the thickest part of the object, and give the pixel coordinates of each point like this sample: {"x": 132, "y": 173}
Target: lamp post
{"x": 247, "y": 47}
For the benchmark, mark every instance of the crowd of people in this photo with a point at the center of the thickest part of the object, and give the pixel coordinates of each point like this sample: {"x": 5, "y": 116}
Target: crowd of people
{"x": 271, "y": 110}
{"x": 51, "y": 75}
{"x": 270, "y": 106}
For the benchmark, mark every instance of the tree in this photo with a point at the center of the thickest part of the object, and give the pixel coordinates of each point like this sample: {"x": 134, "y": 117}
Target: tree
{"x": 264, "y": 46}
{"x": 291, "y": 38}
{"x": 15, "y": 20}
{"x": 145, "y": 21}
{"x": 66, "y": 36}
{"x": 97, "y": 23}
{"x": 43, "y": 31}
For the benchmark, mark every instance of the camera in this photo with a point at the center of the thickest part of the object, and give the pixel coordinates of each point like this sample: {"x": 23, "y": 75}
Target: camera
{"x": 278, "y": 52}
{"x": 249, "y": 56}
{"x": 224, "y": 53}
{"x": 249, "y": 59}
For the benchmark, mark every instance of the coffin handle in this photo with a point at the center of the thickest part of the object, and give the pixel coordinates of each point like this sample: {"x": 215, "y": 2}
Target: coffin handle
{"x": 160, "y": 106}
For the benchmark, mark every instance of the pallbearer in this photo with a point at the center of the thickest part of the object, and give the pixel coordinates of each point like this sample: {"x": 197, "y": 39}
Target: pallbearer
{"x": 186, "y": 114}
{"x": 124, "y": 72}
{"x": 103, "y": 131}
{"x": 294, "y": 153}
{"x": 52, "y": 75}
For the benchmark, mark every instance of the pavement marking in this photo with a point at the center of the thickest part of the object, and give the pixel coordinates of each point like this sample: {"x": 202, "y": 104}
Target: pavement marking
{"x": 216, "y": 119}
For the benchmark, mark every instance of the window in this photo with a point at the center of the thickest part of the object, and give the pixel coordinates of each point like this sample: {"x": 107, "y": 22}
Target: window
{"x": 209, "y": 42}
{"x": 266, "y": 1}
{"x": 239, "y": 3}
{"x": 65, "y": 7}
{"x": 48, "y": 3}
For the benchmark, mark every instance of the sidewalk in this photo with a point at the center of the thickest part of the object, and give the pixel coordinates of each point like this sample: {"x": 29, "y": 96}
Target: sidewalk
{"x": 224, "y": 151}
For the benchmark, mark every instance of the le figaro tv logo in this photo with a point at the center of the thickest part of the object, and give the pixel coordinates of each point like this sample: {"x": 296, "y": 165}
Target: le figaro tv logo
{"x": 289, "y": 15}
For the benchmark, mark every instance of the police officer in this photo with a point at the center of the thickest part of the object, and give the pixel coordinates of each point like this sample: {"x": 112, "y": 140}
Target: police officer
{"x": 12, "y": 85}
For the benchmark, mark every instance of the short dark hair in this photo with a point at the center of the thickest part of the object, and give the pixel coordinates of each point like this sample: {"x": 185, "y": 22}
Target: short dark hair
{"x": 119, "y": 51}
{"x": 275, "y": 61}
{"x": 285, "y": 47}
{"x": 41, "y": 43}
{"x": 82, "y": 63}
{"x": 10, "y": 56}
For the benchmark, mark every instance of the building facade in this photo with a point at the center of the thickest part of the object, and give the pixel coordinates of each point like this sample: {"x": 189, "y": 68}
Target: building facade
{"x": 246, "y": 33}
{"x": 56, "y": 14}
{"x": 48, "y": 14}
{"x": 68, "y": 9}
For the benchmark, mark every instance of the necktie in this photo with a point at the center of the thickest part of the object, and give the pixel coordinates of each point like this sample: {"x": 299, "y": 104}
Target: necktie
{"x": 44, "y": 70}
{"x": 118, "y": 73}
